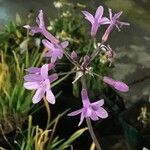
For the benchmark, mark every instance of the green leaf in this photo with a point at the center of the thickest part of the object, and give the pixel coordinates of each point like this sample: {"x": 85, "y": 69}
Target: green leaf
{"x": 72, "y": 138}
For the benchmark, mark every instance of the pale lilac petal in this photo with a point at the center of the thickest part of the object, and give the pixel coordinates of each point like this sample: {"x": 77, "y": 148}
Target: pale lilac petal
{"x": 87, "y": 111}
{"x": 33, "y": 70}
{"x": 44, "y": 71}
{"x": 74, "y": 113}
{"x": 64, "y": 44}
{"x": 40, "y": 20}
{"x": 32, "y": 78}
{"x": 60, "y": 54}
{"x": 49, "y": 36}
{"x": 81, "y": 119}
{"x": 88, "y": 16}
{"x": 98, "y": 103}
{"x": 46, "y": 84}
{"x": 47, "y": 44}
{"x": 102, "y": 113}
{"x": 116, "y": 16}
{"x": 123, "y": 23}
{"x": 94, "y": 116}
{"x": 53, "y": 77}
{"x": 110, "y": 13}
{"x": 31, "y": 85}
{"x": 104, "y": 20}
{"x": 99, "y": 12}
{"x": 53, "y": 59}
{"x": 120, "y": 86}
{"x": 50, "y": 97}
{"x": 39, "y": 94}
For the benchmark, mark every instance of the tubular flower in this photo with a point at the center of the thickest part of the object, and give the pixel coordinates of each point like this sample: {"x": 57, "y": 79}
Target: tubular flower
{"x": 91, "y": 110}
{"x": 114, "y": 21}
{"x": 96, "y": 20}
{"x": 40, "y": 81}
{"x": 54, "y": 50}
{"x": 41, "y": 28}
{"x": 118, "y": 85}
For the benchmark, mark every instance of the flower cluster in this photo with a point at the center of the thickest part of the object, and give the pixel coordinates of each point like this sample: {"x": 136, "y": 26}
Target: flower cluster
{"x": 39, "y": 79}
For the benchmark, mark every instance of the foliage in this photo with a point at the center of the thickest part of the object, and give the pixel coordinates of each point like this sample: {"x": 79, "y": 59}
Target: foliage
{"x": 39, "y": 139}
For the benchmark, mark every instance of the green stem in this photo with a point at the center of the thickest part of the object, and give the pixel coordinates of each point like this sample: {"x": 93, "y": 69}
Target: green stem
{"x": 48, "y": 112}
{"x": 88, "y": 122}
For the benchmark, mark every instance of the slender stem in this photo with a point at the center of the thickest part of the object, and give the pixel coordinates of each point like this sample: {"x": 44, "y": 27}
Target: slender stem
{"x": 88, "y": 121}
{"x": 48, "y": 112}
{"x": 95, "y": 53}
{"x": 64, "y": 73}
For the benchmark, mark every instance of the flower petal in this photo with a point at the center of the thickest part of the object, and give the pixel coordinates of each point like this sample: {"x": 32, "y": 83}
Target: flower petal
{"x": 33, "y": 70}
{"x": 74, "y": 113}
{"x": 81, "y": 119}
{"x": 117, "y": 15}
{"x": 39, "y": 94}
{"x": 64, "y": 44}
{"x": 32, "y": 78}
{"x": 50, "y": 97}
{"x": 44, "y": 71}
{"x": 88, "y": 16}
{"x": 110, "y": 13}
{"x": 47, "y": 44}
{"x": 99, "y": 12}
{"x": 102, "y": 113}
{"x": 40, "y": 20}
{"x": 98, "y": 103}
{"x": 31, "y": 85}
{"x": 87, "y": 111}
{"x": 94, "y": 116}
{"x": 104, "y": 20}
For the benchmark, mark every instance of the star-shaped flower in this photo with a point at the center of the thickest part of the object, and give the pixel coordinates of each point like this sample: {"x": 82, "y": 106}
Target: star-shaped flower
{"x": 114, "y": 22}
{"x": 55, "y": 51}
{"x": 96, "y": 20}
{"x": 41, "y": 28}
{"x": 91, "y": 110}
{"x": 40, "y": 81}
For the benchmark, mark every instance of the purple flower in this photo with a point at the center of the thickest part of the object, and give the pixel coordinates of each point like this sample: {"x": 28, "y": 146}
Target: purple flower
{"x": 92, "y": 110}
{"x": 40, "y": 81}
{"x": 41, "y": 28}
{"x": 55, "y": 51}
{"x": 118, "y": 85}
{"x": 96, "y": 20}
{"x": 114, "y": 21}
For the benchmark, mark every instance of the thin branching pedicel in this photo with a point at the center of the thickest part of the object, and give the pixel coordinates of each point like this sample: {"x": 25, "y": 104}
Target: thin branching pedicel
{"x": 40, "y": 80}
